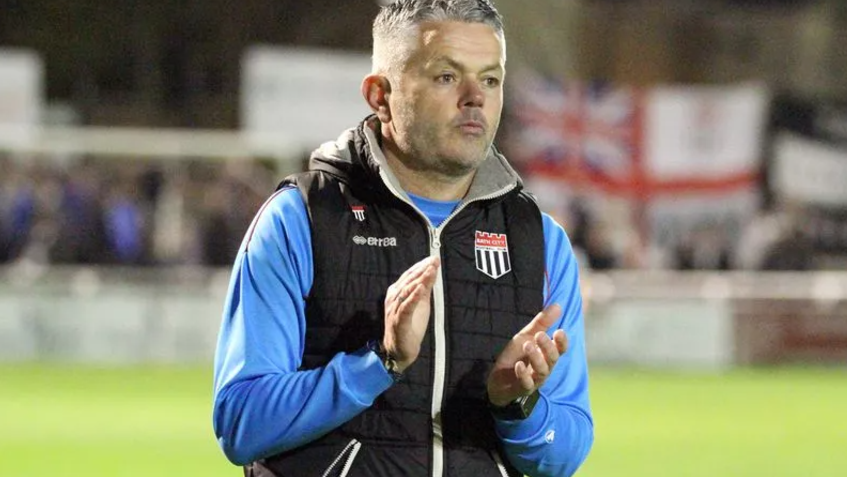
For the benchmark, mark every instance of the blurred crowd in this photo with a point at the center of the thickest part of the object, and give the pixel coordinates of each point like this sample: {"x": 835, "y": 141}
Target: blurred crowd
{"x": 99, "y": 210}
{"x": 127, "y": 212}
{"x": 775, "y": 238}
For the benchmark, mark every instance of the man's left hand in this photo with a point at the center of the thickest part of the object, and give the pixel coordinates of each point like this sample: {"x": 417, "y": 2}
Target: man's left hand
{"x": 528, "y": 359}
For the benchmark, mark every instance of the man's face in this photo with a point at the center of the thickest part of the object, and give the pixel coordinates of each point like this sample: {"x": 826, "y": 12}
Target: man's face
{"x": 446, "y": 103}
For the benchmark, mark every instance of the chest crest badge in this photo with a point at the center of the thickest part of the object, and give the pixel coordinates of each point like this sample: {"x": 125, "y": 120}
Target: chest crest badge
{"x": 492, "y": 254}
{"x": 358, "y": 212}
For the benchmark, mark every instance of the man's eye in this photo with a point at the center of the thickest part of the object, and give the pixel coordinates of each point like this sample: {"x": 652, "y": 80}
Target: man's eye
{"x": 445, "y": 78}
{"x": 492, "y": 82}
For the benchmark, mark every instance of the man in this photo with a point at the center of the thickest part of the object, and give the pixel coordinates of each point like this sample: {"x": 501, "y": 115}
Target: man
{"x": 403, "y": 308}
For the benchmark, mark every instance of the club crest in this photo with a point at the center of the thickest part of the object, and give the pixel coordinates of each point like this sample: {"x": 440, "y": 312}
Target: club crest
{"x": 358, "y": 212}
{"x": 492, "y": 254}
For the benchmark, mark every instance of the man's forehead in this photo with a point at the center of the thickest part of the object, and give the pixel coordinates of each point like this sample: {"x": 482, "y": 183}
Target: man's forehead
{"x": 459, "y": 42}
{"x": 450, "y": 31}
{"x": 461, "y": 64}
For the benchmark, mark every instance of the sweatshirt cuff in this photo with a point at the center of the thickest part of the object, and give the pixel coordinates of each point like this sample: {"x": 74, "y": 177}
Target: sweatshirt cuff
{"x": 365, "y": 376}
{"x": 525, "y": 429}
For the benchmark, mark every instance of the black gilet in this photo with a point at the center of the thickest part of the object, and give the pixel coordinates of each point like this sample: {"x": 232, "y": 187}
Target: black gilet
{"x": 363, "y": 238}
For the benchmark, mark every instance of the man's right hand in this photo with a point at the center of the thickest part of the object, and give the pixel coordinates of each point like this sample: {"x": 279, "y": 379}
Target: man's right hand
{"x": 407, "y": 310}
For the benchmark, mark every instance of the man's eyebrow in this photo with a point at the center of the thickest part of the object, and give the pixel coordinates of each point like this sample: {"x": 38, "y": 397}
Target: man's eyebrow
{"x": 456, "y": 65}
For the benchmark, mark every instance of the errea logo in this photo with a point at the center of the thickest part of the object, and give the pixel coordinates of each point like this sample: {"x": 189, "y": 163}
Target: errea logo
{"x": 375, "y": 242}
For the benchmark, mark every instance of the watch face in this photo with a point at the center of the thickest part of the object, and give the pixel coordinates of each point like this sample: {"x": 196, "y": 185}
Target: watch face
{"x": 518, "y": 409}
{"x": 527, "y": 403}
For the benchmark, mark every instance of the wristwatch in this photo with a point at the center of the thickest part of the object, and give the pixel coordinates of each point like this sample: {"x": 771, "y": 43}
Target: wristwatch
{"x": 387, "y": 360}
{"x": 516, "y": 410}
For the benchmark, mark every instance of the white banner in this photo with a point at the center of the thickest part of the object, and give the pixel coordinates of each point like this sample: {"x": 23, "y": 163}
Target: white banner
{"x": 809, "y": 171}
{"x": 21, "y": 94}
{"x": 704, "y": 132}
{"x": 301, "y": 96}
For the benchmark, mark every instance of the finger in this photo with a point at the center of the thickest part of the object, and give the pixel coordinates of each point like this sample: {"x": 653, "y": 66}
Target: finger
{"x": 415, "y": 269}
{"x": 391, "y": 301}
{"x": 409, "y": 301}
{"x": 421, "y": 292}
{"x": 395, "y": 294}
{"x": 431, "y": 273}
{"x": 537, "y": 360}
{"x": 426, "y": 279}
{"x": 543, "y": 320}
{"x": 561, "y": 340}
{"x": 548, "y": 347}
{"x": 524, "y": 375}
{"x": 400, "y": 290}
{"x": 406, "y": 282}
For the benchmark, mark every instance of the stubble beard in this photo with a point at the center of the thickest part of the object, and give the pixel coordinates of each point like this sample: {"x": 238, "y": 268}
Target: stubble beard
{"x": 446, "y": 153}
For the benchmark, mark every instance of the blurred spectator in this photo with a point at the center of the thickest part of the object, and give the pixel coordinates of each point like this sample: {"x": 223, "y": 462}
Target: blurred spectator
{"x": 772, "y": 240}
{"x": 229, "y": 204}
{"x": 7, "y": 181}
{"x": 792, "y": 252}
{"x": 760, "y": 233}
{"x": 81, "y": 232}
{"x": 124, "y": 223}
{"x": 578, "y": 223}
{"x": 703, "y": 248}
{"x": 598, "y": 246}
{"x": 170, "y": 227}
{"x": 216, "y": 231}
{"x": 31, "y": 221}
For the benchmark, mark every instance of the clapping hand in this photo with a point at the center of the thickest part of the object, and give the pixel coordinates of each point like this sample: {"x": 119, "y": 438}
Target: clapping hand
{"x": 528, "y": 359}
{"x": 407, "y": 311}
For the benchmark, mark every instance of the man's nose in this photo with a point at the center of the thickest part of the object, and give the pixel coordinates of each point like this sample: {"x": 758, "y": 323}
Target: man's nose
{"x": 472, "y": 95}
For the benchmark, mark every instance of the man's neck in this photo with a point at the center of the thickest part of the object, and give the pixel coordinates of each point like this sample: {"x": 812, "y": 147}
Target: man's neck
{"x": 424, "y": 183}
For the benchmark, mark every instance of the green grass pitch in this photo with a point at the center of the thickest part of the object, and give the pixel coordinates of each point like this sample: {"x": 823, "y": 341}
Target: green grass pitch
{"x": 86, "y": 421}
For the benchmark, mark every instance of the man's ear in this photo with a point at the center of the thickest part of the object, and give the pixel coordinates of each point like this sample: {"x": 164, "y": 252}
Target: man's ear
{"x": 376, "y": 90}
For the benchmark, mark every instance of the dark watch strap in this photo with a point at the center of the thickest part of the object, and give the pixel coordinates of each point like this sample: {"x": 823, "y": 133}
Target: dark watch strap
{"x": 516, "y": 410}
{"x": 387, "y": 360}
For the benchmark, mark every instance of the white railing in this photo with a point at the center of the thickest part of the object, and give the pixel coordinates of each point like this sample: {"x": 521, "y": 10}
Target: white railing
{"x": 678, "y": 319}
{"x": 824, "y": 286}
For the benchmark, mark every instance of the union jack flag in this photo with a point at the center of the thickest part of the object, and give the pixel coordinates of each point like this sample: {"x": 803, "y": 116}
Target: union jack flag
{"x": 578, "y": 131}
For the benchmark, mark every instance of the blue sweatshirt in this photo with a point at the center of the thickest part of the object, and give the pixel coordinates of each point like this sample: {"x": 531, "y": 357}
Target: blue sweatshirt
{"x": 263, "y": 405}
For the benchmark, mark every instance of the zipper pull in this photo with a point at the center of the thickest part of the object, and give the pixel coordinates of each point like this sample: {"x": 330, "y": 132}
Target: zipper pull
{"x": 435, "y": 240}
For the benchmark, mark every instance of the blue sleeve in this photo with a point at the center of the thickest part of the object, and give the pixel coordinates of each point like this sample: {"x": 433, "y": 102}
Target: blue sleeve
{"x": 555, "y": 439}
{"x": 262, "y": 403}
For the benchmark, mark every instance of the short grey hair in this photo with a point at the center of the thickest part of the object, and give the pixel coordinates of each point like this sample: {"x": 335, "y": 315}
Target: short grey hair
{"x": 396, "y": 20}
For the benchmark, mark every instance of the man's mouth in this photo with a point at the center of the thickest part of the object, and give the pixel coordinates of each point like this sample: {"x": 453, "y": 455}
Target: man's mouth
{"x": 475, "y": 128}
